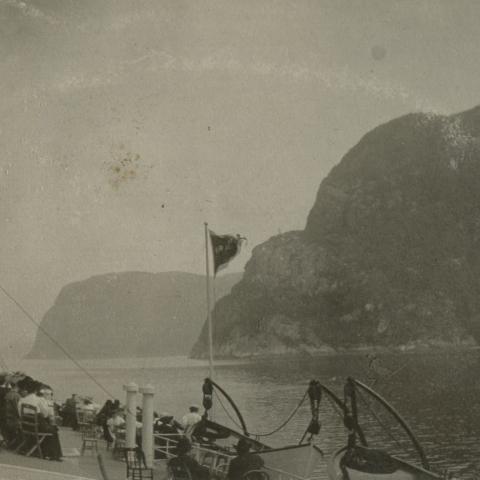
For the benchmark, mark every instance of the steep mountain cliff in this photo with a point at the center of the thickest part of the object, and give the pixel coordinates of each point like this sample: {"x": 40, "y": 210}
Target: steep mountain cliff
{"x": 389, "y": 256}
{"x": 128, "y": 314}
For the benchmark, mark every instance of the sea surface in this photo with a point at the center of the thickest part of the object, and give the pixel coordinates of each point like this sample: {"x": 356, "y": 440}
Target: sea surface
{"x": 438, "y": 394}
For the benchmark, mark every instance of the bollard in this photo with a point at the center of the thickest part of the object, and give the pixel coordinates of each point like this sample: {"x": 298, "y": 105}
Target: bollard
{"x": 131, "y": 415}
{"x": 147, "y": 424}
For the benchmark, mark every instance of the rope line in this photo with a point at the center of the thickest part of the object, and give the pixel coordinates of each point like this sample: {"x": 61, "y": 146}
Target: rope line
{"x": 282, "y": 425}
{"x": 53, "y": 340}
{"x": 387, "y": 430}
{"x": 294, "y": 411}
{"x": 335, "y": 407}
{"x": 226, "y": 411}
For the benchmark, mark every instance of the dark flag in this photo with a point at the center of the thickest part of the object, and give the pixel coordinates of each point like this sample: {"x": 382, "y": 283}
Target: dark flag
{"x": 224, "y": 248}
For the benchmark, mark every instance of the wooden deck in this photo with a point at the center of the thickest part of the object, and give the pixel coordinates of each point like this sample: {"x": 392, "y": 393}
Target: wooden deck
{"x": 73, "y": 467}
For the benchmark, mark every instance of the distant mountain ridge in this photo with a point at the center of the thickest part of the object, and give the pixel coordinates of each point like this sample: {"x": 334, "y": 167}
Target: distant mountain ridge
{"x": 389, "y": 257}
{"x": 128, "y": 314}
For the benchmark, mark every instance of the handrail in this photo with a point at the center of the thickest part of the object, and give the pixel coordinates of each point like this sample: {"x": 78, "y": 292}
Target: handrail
{"x": 218, "y": 460}
{"x": 195, "y": 446}
{"x": 398, "y": 417}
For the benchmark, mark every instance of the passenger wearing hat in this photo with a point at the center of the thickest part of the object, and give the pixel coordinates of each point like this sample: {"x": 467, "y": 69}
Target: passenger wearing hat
{"x": 51, "y": 445}
{"x": 165, "y": 426}
{"x": 190, "y": 420}
{"x": 183, "y": 462}
{"x": 244, "y": 462}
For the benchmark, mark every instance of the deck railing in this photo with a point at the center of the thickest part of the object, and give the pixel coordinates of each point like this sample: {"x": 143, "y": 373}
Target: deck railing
{"x": 217, "y": 461}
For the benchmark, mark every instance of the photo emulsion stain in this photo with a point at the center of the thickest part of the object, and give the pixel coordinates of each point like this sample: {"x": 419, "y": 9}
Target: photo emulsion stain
{"x": 239, "y": 240}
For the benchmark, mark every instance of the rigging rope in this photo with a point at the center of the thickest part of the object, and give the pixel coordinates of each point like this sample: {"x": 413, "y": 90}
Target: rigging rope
{"x": 294, "y": 411}
{"x": 387, "y": 430}
{"x": 52, "y": 339}
{"x": 282, "y": 425}
{"x": 226, "y": 411}
{"x": 336, "y": 408}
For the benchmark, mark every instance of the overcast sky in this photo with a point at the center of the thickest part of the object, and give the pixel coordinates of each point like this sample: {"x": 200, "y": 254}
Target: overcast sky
{"x": 127, "y": 124}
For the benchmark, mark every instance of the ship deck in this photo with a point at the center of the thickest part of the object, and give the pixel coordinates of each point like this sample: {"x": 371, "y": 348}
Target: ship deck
{"x": 74, "y": 466}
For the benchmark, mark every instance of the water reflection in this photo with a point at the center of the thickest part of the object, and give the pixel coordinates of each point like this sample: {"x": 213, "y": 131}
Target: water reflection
{"x": 436, "y": 393}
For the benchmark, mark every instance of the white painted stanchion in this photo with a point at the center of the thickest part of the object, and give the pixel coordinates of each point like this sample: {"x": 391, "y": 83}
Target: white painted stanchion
{"x": 147, "y": 423}
{"x": 131, "y": 415}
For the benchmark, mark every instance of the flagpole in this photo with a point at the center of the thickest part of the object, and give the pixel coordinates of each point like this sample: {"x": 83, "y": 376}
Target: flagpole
{"x": 209, "y": 314}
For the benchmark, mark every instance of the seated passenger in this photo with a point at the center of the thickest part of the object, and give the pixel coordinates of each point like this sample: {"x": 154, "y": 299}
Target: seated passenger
{"x": 244, "y": 462}
{"x": 12, "y": 418}
{"x": 51, "y": 447}
{"x": 164, "y": 425}
{"x": 115, "y": 422}
{"x": 3, "y": 392}
{"x": 184, "y": 462}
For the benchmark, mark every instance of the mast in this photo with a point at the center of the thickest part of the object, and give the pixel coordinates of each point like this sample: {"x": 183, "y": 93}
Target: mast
{"x": 209, "y": 314}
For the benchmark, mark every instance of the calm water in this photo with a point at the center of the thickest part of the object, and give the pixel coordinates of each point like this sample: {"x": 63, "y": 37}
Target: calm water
{"x": 438, "y": 395}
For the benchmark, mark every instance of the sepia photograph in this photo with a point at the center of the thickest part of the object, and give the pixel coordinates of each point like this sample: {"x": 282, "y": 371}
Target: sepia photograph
{"x": 240, "y": 240}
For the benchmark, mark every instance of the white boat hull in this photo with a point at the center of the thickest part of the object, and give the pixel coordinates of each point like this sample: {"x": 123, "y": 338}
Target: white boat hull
{"x": 297, "y": 461}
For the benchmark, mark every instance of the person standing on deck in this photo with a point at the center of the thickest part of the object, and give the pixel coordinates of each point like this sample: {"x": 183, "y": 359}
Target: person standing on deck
{"x": 244, "y": 462}
{"x": 105, "y": 413}
{"x": 190, "y": 420}
{"x": 70, "y": 412}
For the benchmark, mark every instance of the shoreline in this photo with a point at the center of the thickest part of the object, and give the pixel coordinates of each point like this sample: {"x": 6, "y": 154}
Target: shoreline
{"x": 220, "y": 360}
{"x": 417, "y": 350}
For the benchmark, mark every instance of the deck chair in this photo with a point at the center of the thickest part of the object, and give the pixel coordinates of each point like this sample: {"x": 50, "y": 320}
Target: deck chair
{"x": 89, "y": 438}
{"x": 30, "y": 431}
{"x": 136, "y": 466}
{"x": 84, "y": 420}
{"x": 119, "y": 442}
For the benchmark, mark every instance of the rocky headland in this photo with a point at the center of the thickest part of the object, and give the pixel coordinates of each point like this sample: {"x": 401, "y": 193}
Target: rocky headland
{"x": 128, "y": 314}
{"x": 389, "y": 257}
